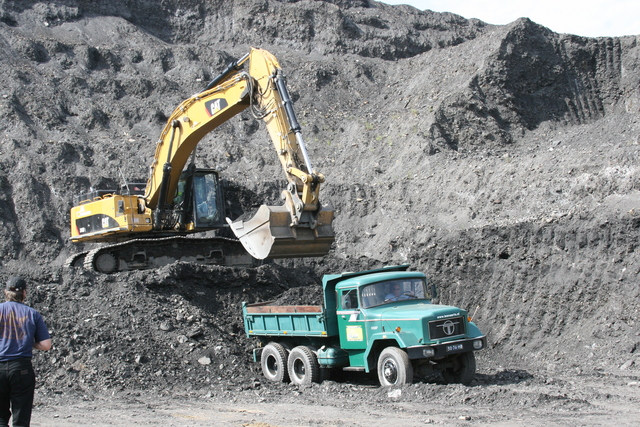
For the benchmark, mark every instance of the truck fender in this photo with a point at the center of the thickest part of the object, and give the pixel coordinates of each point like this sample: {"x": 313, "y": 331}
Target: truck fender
{"x": 473, "y": 330}
{"x": 377, "y": 343}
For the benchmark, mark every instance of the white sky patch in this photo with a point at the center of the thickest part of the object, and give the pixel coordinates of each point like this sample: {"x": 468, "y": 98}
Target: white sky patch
{"x": 591, "y": 18}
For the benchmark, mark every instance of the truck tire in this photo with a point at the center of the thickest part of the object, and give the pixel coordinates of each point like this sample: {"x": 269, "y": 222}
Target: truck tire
{"x": 274, "y": 362}
{"x": 461, "y": 370}
{"x": 394, "y": 367}
{"x": 303, "y": 366}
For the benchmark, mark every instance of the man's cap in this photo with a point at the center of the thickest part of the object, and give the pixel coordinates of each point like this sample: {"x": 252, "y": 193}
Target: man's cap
{"x": 16, "y": 284}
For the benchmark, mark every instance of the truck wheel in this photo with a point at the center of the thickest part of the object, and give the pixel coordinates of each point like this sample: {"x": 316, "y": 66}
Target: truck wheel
{"x": 461, "y": 370}
{"x": 394, "y": 367}
{"x": 274, "y": 362}
{"x": 303, "y": 366}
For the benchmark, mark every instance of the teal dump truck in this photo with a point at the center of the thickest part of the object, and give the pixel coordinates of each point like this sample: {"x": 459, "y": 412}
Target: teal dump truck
{"x": 377, "y": 320}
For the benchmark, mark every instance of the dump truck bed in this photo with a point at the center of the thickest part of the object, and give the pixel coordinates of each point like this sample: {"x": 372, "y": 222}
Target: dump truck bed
{"x": 264, "y": 319}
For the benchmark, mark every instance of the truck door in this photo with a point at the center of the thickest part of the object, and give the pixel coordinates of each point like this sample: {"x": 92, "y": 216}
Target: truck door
{"x": 353, "y": 335}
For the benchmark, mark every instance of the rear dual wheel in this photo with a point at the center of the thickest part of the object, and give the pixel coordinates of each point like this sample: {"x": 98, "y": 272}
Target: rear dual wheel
{"x": 274, "y": 362}
{"x": 303, "y": 366}
{"x": 300, "y": 365}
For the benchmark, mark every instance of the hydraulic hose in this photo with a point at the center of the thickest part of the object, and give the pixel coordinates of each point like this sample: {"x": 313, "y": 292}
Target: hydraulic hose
{"x": 291, "y": 116}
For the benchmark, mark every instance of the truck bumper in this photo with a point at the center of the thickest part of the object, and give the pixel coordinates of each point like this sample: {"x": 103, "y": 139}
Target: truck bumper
{"x": 447, "y": 348}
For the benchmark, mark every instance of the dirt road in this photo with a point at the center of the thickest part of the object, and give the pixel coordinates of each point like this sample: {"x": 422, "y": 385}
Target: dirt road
{"x": 499, "y": 398}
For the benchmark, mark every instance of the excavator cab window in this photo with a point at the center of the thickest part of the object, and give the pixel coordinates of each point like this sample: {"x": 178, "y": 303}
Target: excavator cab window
{"x": 207, "y": 206}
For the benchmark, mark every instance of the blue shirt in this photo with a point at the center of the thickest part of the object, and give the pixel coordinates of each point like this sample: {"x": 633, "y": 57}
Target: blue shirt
{"x": 20, "y": 327}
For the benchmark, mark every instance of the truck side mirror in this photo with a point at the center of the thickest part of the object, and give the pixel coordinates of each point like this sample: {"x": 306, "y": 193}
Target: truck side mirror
{"x": 434, "y": 292}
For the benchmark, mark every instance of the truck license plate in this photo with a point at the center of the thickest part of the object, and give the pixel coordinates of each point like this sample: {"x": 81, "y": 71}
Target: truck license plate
{"x": 454, "y": 347}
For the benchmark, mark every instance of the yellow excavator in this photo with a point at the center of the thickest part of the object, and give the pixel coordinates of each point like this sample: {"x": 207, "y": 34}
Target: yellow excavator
{"x": 147, "y": 224}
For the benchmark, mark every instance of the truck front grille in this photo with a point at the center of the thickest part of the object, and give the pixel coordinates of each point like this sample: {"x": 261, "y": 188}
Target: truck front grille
{"x": 446, "y": 328}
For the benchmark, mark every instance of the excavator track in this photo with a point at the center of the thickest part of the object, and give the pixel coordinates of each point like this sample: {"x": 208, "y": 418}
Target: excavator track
{"x": 144, "y": 254}
{"x": 75, "y": 260}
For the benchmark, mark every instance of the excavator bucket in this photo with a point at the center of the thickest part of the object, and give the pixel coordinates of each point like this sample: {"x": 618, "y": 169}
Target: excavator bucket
{"x": 269, "y": 234}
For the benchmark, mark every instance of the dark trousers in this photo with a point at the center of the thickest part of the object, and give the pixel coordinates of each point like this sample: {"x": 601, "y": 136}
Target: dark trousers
{"x": 17, "y": 385}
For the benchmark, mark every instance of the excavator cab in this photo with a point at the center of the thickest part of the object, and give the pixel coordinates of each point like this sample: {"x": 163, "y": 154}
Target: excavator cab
{"x": 206, "y": 202}
{"x": 199, "y": 200}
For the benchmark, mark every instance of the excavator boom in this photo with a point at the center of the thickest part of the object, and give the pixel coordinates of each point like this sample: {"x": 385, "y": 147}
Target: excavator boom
{"x": 303, "y": 226}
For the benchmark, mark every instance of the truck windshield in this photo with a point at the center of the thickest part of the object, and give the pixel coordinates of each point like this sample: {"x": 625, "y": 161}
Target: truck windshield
{"x": 394, "y": 290}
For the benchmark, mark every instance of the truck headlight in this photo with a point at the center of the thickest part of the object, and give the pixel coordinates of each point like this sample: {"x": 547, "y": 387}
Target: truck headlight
{"x": 428, "y": 352}
{"x": 477, "y": 344}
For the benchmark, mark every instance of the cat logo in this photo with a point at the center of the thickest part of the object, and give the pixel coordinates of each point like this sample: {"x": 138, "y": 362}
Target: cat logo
{"x": 213, "y": 106}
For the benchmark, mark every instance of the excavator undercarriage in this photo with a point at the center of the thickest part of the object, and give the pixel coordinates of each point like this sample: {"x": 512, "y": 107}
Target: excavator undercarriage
{"x": 151, "y": 253}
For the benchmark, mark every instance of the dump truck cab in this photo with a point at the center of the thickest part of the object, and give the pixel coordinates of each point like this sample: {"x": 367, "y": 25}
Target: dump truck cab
{"x": 369, "y": 312}
{"x": 392, "y": 308}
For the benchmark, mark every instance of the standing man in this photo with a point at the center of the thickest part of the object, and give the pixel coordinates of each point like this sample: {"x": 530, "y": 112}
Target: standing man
{"x": 21, "y": 330}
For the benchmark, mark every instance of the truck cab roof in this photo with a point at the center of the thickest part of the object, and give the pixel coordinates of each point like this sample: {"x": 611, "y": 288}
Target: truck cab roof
{"x": 329, "y": 281}
{"x": 359, "y": 281}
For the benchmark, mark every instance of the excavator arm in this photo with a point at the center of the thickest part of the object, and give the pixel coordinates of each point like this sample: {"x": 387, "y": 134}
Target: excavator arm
{"x": 302, "y": 226}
